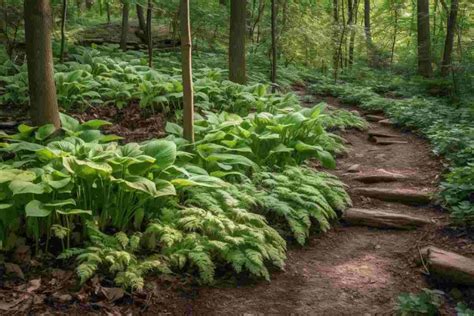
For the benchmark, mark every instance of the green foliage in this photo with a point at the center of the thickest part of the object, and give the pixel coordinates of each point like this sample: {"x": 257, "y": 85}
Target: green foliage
{"x": 424, "y": 303}
{"x": 463, "y": 310}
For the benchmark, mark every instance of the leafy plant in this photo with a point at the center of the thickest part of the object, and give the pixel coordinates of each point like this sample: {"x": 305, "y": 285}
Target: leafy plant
{"x": 424, "y": 303}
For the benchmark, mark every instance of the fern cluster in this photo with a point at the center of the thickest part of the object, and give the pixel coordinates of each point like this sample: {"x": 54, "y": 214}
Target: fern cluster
{"x": 117, "y": 255}
{"x": 213, "y": 227}
{"x": 301, "y": 196}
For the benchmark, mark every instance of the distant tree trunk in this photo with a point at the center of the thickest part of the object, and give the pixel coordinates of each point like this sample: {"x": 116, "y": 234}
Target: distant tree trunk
{"x": 124, "y": 36}
{"x": 141, "y": 19}
{"x": 187, "y": 72}
{"x": 107, "y": 8}
{"x": 261, "y": 10}
{"x": 63, "y": 26}
{"x": 237, "y": 63}
{"x": 89, "y": 4}
{"x": 353, "y": 33}
{"x": 368, "y": 33}
{"x": 335, "y": 11}
{"x": 39, "y": 53}
{"x": 274, "y": 45}
{"x": 79, "y": 7}
{"x": 424, "y": 45}
{"x": 148, "y": 33}
{"x": 395, "y": 30}
{"x": 449, "y": 42}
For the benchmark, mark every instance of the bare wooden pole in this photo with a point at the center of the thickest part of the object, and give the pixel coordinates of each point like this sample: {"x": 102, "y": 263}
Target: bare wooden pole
{"x": 186, "y": 55}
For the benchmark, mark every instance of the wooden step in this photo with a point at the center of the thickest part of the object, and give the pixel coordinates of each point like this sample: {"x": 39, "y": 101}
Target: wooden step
{"x": 381, "y": 134}
{"x": 405, "y": 196}
{"x": 448, "y": 266}
{"x": 374, "y": 118}
{"x": 385, "y": 141}
{"x": 382, "y": 219}
{"x": 386, "y": 122}
{"x": 379, "y": 176}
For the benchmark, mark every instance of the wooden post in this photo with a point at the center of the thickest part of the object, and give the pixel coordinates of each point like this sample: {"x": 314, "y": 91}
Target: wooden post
{"x": 39, "y": 53}
{"x": 186, "y": 62}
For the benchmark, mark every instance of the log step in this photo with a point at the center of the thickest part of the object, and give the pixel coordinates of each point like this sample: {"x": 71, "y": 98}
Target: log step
{"x": 381, "y": 134}
{"x": 382, "y": 219}
{"x": 385, "y": 141}
{"x": 374, "y": 118}
{"x": 380, "y": 176}
{"x": 386, "y": 122}
{"x": 448, "y": 266}
{"x": 405, "y": 196}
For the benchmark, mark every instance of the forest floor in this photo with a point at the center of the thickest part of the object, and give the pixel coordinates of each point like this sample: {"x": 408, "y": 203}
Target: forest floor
{"x": 348, "y": 271}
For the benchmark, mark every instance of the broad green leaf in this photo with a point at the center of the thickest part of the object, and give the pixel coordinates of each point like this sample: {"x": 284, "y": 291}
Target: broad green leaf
{"x": 5, "y": 206}
{"x": 95, "y": 124}
{"x": 164, "y": 188}
{"x": 23, "y": 187}
{"x": 60, "y": 203}
{"x": 74, "y": 212}
{"x": 36, "y": 209}
{"x": 327, "y": 160}
{"x": 45, "y": 131}
{"x": 174, "y": 129}
{"x": 69, "y": 123}
{"x": 163, "y": 151}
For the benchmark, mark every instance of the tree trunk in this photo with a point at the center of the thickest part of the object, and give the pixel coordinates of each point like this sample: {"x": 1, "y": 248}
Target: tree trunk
{"x": 368, "y": 33}
{"x": 141, "y": 19}
{"x": 187, "y": 73}
{"x": 107, "y": 8}
{"x": 148, "y": 33}
{"x": 274, "y": 45}
{"x": 395, "y": 30}
{"x": 237, "y": 63}
{"x": 79, "y": 7}
{"x": 39, "y": 53}
{"x": 352, "y": 37}
{"x": 382, "y": 219}
{"x": 448, "y": 45}
{"x": 89, "y": 4}
{"x": 424, "y": 45}
{"x": 124, "y": 35}
{"x": 63, "y": 26}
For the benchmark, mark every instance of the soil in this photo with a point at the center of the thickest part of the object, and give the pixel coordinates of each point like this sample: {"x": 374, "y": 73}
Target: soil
{"x": 347, "y": 271}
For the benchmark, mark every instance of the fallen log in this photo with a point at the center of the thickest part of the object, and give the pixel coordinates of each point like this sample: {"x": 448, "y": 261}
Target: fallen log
{"x": 382, "y": 219}
{"x": 380, "y": 176}
{"x": 381, "y": 134}
{"x": 405, "y": 196}
{"x": 386, "y": 122}
{"x": 448, "y": 266}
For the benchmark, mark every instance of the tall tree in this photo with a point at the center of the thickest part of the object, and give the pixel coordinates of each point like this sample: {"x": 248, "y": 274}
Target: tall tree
{"x": 448, "y": 44}
{"x": 368, "y": 33}
{"x": 124, "y": 35}
{"x": 148, "y": 32}
{"x": 274, "y": 44}
{"x": 353, "y": 32}
{"x": 39, "y": 54}
{"x": 107, "y": 8}
{"x": 187, "y": 72}
{"x": 141, "y": 19}
{"x": 237, "y": 63}
{"x": 63, "y": 27}
{"x": 424, "y": 44}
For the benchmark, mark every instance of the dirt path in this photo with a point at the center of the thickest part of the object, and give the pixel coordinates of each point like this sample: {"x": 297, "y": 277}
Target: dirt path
{"x": 351, "y": 270}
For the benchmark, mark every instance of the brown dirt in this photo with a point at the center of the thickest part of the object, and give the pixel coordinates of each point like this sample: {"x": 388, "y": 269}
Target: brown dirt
{"x": 347, "y": 271}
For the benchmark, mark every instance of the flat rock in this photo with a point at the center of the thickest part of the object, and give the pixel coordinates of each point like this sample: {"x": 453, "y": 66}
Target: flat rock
{"x": 385, "y": 141}
{"x": 380, "y": 176}
{"x": 386, "y": 122}
{"x": 382, "y": 219}
{"x": 405, "y": 196}
{"x": 354, "y": 168}
{"x": 374, "y": 118}
{"x": 448, "y": 266}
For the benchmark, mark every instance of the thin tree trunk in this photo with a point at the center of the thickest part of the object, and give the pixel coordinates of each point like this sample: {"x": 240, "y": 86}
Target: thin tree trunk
{"x": 353, "y": 33}
{"x": 63, "y": 26}
{"x": 39, "y": 53}
{"x": 237, "y": 63}
{"x": 141, "y": 19}
{"x": 89, "y": 4}
{"x": 449, "y": 42}
{"x": 274, "y": 45}
{"x": 148, "y": 33}
{"x": 124, "y": 36}
{"x": 187, "y": 71}
{"x": 395, "y": 30}
{"x": 107, "y": 8}
{"x": 368, "y": 33}
{"x": 424, "y": 45}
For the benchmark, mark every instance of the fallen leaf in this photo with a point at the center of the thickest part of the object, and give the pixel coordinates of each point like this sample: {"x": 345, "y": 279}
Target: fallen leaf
{"x": 15, "y": 269}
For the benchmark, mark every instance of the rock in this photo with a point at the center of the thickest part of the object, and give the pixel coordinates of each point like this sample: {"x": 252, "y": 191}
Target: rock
{"x": 405, "y": 196}
{"x": 385, "y": 141}
{"x": 374, "y": 118}
{"x": 386, "y": 122}
{"x": 382, "y": 219}
{"x": 354, "y": 168}
{"x": 448, "y": 266}
{"x": 380, "y": 176}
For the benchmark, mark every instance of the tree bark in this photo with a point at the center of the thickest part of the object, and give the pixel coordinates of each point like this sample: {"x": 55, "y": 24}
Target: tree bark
{"x": 186, "y": 55}
{"x": 39, "y": 53}
{"x": 237, "y": 62}
{"x": 395, "y": 31}
{"x": 382, "y": 219}
{"x": 368, "y": 33}
{"x": 274, "y": 45}
{"x": 148, "y": 33}
{"x": 141, "y": 19}
{"x": 124, "y": 35}
{"x": 352, "y": 36}
{"x": 424, "y": 45}
{"x": 449, "y": 42}
{"x": 89, "y": 4}
{"x": 63, "y": 26}
{"x": 107, "y": 8}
